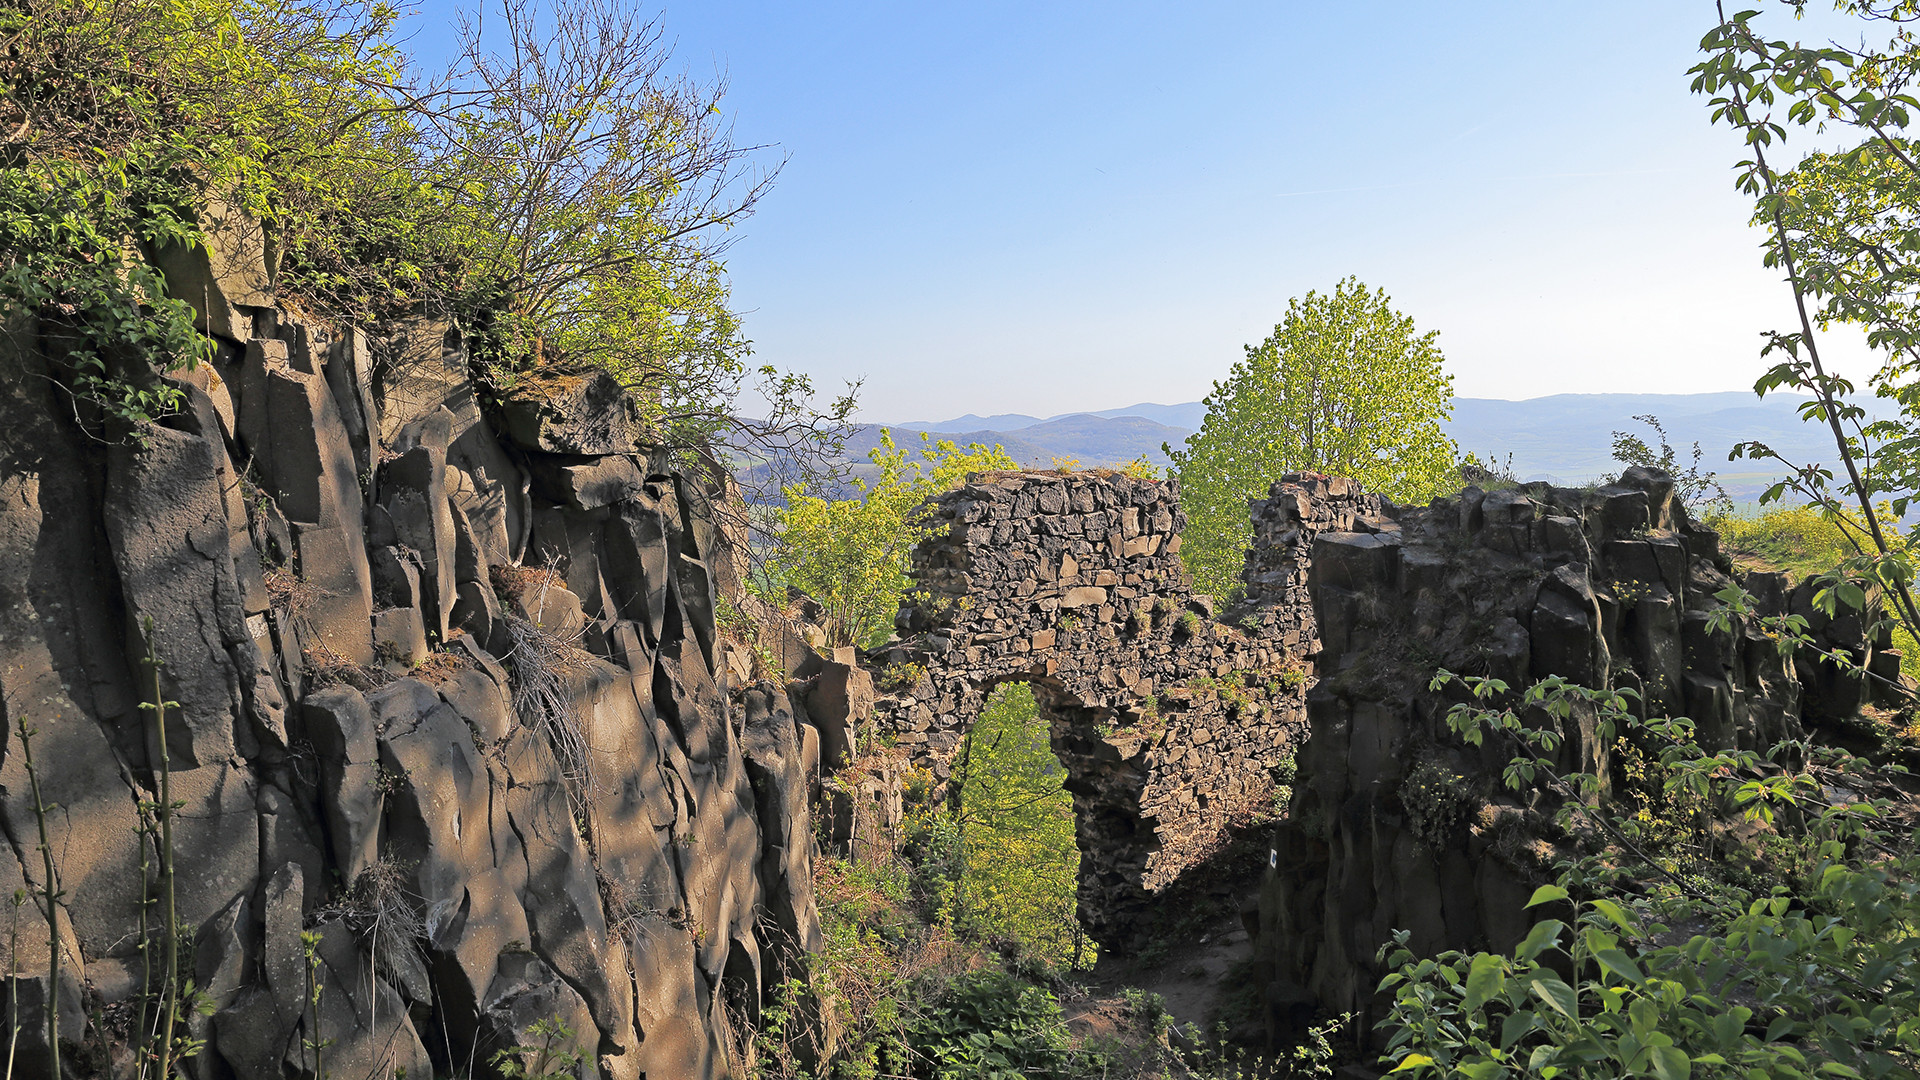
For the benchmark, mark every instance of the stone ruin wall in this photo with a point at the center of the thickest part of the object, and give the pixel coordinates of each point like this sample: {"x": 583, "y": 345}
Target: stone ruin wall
{"x": 1167, "y": 719}
{"x": 1396, "y": 823}
{"x": 346, "y": 572}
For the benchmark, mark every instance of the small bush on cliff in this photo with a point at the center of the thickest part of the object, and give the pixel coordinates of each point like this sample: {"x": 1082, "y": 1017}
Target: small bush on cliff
{"x": 851, "y": 554}
{"x": 1344, "y": 385}
{"x": 1698, "y": 487}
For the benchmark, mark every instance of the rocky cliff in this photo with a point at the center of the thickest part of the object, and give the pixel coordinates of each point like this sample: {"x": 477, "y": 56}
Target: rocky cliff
{"x": 1396, "y": 823}
{"x": 451, "y": 731}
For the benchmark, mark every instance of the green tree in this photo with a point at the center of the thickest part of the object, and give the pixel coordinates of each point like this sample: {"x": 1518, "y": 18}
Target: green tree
{"x": 594, "y": 190}
{"x": 1345, "y": 385}
{"x": 851, "y": 554}
{"x": 1843, "y": 227}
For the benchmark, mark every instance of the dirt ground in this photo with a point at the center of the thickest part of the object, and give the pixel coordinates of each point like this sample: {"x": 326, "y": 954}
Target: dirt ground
{"x": 1201, "y": 978}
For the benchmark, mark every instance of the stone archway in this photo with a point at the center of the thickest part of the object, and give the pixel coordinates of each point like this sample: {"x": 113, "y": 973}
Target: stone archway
{"x": 1167, "y": 718}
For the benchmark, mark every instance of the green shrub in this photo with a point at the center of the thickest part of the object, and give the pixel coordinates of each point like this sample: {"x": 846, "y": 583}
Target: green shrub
{"x": 1668, "y": 974}
{"x": 988, "y": 1025}
{"x": 902, "y": 676}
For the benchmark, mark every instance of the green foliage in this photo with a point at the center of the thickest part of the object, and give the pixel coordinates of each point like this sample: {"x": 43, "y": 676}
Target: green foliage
{"x": 552, "y": 1056}
{"x": 901, "y": 676}
{"x": 559, "y": 195}
{"x": 1699, "y": 488}
{"x": 1797, "y": 539}
{"x": 1014, "y": 826}
{"x": 1346, "y": 386}
{"x": 991, "y": 1026}
{"x": 851, "y": 554}
{"x": 1214, "y": 1059}
{"x": 1843, "y": 225}
{"x": 134, "y": 115}
{"x": 1682, "y": 975}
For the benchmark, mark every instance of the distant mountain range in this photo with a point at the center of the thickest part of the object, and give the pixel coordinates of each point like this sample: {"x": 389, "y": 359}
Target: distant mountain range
{"x": 1565, "y": 438}
{"x": 1186, "y": 417}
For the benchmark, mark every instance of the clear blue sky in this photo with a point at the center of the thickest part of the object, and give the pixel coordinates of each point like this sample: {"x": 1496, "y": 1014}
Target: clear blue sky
{"x": 1046, "y": 207}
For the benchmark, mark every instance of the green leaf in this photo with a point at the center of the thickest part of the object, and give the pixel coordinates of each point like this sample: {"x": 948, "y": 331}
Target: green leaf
{"x": 1486, "y": 979}
{"x": 1616, "y": 913}
{"x": 1554, "y": 993}
{"x": 1645, "y": 1017}
{"x": 1620, "y": 964}
{"x": 1413, "y": 1061}
{"x": 1671, "y": 1063}
{"x": 1515, "y": 1027}
{"x": 1547, "y": 894}
{"x": 1544, "y": 935}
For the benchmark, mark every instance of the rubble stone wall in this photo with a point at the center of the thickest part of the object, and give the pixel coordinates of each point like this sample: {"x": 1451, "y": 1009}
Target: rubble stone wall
{"x": 1168, "y": 719}
{"x": 450, "y": 698}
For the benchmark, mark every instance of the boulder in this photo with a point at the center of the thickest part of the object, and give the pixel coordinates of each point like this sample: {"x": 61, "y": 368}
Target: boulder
{"x": 170, "y": 544}
{"x": 839, "y": 702}
{"x": 413, "y": 493}
{"x": 777, "y": 768}
{"x": 573, "y": 414}
{"x": 339, "y": 723}
{"x": 223, "y": 276}
{"x": 586, "y": 483}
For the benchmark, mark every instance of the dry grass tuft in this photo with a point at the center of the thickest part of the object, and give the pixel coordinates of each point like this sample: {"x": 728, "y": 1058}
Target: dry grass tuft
{"x": 510, "y": 583}
{"x": 440, "y": 666}
{"x": 378, "y": 909}
{"x": 288, "y": 592}
{"x": 325, "y": 667}
{"x": 546, "y": 670}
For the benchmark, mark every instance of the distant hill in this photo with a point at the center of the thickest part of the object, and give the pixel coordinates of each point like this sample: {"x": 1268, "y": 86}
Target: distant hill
{"x": 1088, "y": 438}
{"x": 1565, "y": 438}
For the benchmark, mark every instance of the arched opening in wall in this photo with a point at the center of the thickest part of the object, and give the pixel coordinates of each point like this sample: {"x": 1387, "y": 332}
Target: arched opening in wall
{"x": 1012, "y": 853}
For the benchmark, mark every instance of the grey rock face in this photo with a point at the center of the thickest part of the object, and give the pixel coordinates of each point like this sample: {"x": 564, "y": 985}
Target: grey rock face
{"x": 574, "y": 415}
{"x": 1609, "y": 588}
{"x": 476, "y": 856}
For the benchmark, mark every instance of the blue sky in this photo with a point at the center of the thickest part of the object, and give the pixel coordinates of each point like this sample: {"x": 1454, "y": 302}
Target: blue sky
{"x": 1044, "y": 207}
